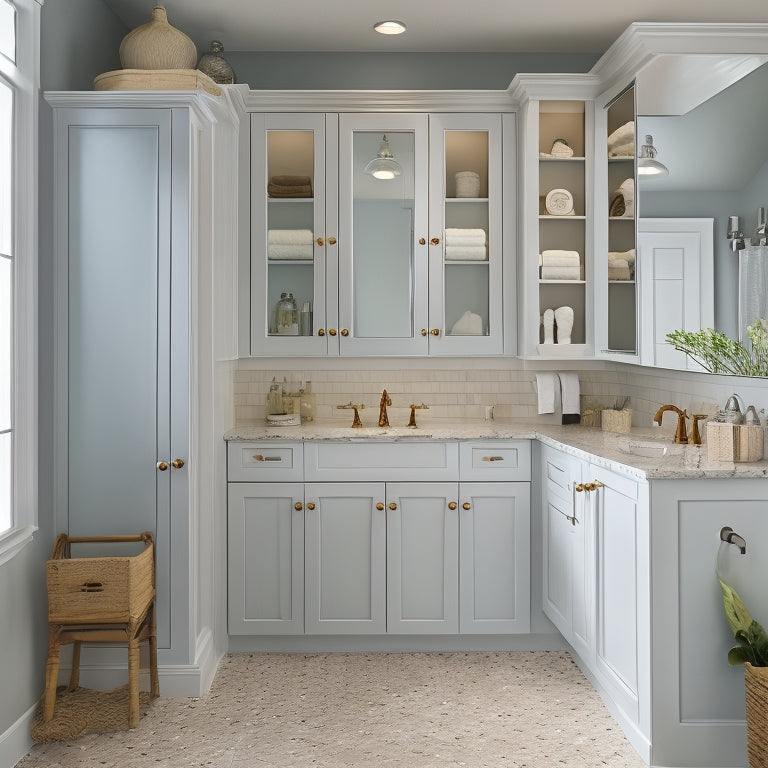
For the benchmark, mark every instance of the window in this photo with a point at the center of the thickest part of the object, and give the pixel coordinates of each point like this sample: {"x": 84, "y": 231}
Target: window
{"x": 19, "y": 26}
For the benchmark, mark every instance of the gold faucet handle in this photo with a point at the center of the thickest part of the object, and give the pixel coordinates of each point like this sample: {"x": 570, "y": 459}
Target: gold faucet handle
{"x": 695, "y": 433}
{"x": 356, "y": 420}
{"x": 414, "y": 408}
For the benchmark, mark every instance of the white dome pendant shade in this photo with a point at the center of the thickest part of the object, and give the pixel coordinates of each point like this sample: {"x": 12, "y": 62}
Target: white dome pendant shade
{"x": 647, "y": 165}
{"x": 384, "y": 165}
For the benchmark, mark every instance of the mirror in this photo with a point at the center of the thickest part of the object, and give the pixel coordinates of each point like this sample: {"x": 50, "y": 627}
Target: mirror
{"x": 708, "y": 117}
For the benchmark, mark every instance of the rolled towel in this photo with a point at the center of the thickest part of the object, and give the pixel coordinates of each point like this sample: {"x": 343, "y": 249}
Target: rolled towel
{"x": 466, "y": 252}
{"x": 623, "y": 150}
{"x": 454, "y": 232}
{"x": 278, "y": 251}
{"x": 290, "y": 237}
{"x": 560, "y": 258}
{"x": 622, "y": 135}
{"x": 560, "y": 148}
{"x": 469, "y": 324}
{"x": 291, "y": 181}
{"x": 628, "y": 256}
{"x": 618, "y": 269}
{"x": 278, "y": 190}
{"x": 560, "y": 273}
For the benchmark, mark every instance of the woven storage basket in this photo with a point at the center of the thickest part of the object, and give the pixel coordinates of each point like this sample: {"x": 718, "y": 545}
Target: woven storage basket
{"x": 756, "y": 684}
{"x": 616, "y": 421}
{"x": 104, "y": 590}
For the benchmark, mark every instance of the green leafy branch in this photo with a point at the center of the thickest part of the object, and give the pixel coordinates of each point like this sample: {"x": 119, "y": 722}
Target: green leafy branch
{"x": 752, "y": 639}
{"x": 717, "y": 353}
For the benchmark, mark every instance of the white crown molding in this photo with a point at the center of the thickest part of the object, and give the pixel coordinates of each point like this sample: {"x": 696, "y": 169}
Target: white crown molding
{"x": 553, "y": 86}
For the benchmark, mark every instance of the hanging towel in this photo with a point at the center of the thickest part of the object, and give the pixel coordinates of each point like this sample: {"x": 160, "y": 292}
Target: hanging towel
{"x": 465, "y": 252}
{"x": 278, "y": 251}
{"x": 545, "y": 386}
{"x": 571, "y": 397}
{"x": 624, "y": 134}
{"x": 289, "y": 237}
{"x": 559, "y": 258}
{"x": 469, "y": 324}
{"x": 560, "y": 273}
{"x": 628, "y": 256}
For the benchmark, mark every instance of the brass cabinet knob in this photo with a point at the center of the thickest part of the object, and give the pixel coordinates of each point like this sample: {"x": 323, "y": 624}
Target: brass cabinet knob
{"x": 297, "y": 506}
{"x": 424, "y": 331}
{"x": 177, "y": 463}
{"x": 344, "y": 332}
{"x": 331, "y": 240}
{"x": 319, "y": 241}
{"x": 592, "y": 486}
{"x": 435, "y": 241}
{"x": 422, "y": 241}
{"x": 393, "y": 505}
{"x": 435, "y": 331}
{"x": 452, "y": 505}
{"x": 311, "y": 505}
{"x": 466, "y": 505}
{"x": 580, "y": 487}
{"x": 162, "y": 465}
{"x": 379, "y": 506}
{"x": 332, "y": 331}
{"x": 321, "y": 332}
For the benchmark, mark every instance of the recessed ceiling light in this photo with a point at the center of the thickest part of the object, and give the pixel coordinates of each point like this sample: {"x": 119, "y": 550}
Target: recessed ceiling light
{"x": 390, "y": 27}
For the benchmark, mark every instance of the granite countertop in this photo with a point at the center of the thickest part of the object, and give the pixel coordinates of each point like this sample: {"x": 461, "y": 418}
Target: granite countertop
{"x": 644, "y": 460}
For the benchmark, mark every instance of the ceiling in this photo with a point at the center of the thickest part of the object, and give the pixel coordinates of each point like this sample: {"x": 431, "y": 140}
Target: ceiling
{"x": 433, "y": 25}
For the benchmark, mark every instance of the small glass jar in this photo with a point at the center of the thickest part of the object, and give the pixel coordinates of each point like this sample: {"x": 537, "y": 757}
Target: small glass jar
{"x": 287, "y": 316}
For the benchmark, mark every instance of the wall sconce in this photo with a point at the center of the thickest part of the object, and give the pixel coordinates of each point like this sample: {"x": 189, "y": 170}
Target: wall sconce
{"x": 647, "y": 165}
{"x": 735, "y": 235}
{"x": 384, "y": 165}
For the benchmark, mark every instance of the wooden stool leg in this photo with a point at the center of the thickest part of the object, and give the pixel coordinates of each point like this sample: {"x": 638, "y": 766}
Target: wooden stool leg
{"x": 133, "y": 682}
{"x": 74, "y": 678}
{"x": 51, "y": 672}
{"x": 153, "y": 676}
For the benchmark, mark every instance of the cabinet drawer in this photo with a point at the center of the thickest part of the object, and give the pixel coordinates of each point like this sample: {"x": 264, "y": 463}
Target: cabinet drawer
{"x": 269, "y": 462}
{"x": 399, "y": 461}
{"x": 496, "y": 460}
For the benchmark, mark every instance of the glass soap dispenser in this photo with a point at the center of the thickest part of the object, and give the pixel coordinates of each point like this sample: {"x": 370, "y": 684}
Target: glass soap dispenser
{"x": 287, "y": 316}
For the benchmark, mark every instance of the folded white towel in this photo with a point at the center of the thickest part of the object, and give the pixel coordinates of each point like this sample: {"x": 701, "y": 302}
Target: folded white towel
{"x": 469, "y": 324}
{"x": 618, "y": 269}
{"x": 457, "y": 232}
{"x": 623, "y": 150}
{"x": 622, "y": 135}
{"x": 289, "y": 237}
{"x": 560, "y": 273}
{"x": 560, "y": 258}
{"x": 278, "y": 251}
{"x": 465, "y": 241}
{"x": 465, "y": 252}
{"x": 628, "y": 256}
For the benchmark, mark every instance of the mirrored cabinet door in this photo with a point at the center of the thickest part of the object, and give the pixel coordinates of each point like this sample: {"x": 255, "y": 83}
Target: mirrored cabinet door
{"x": 621, "y": 322}
{"x": 465, "y": 235}
{"x": 292, "y": 231}
{"x": 383, "y": 281}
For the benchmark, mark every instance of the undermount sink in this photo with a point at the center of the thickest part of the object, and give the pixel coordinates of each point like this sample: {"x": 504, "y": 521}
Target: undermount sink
{"x": 653, "y": 449}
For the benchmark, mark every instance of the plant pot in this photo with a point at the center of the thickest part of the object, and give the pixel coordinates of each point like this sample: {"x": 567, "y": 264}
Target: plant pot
{"x": 756, "y": 687}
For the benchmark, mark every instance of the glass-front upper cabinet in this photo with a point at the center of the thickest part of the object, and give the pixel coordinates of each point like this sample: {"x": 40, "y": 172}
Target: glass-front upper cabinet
{"x": 382, "y": 249}
{"x": 465, "y": 241}
{"x": 293, "y": 234}
{"x": 620, "y": 331}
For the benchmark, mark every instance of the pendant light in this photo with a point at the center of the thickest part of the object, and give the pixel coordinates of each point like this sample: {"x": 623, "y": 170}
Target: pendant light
{"x": 384, "y": 165}
{"x": 647, "y": 165}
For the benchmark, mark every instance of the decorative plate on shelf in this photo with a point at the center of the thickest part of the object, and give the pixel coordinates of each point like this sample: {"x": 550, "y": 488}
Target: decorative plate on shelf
{"x": 559, "y": 202}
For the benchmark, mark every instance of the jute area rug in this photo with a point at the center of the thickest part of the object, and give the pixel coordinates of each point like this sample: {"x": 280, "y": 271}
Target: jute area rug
{"x": 86, "y": 711}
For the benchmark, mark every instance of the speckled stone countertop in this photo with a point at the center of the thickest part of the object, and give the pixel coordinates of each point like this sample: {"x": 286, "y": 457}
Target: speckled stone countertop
{"x": 622, "y": 453}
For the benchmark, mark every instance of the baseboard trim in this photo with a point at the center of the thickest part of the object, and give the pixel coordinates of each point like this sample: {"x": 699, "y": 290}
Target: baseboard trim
{"x": 16, "y": 741}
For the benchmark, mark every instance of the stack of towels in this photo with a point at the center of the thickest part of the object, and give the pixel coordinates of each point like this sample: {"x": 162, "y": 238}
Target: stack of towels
{"x": 621, "y": 143}
{"x": 289, "y": 186}
{"x": 621, "y": 264}
{"x": 289, "y": 244}
{"x": 560, "y": 265}
{"x": 466, "y": 245}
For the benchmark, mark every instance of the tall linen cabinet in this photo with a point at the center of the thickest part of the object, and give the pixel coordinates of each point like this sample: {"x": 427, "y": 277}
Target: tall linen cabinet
{"x": 144, "y": 250}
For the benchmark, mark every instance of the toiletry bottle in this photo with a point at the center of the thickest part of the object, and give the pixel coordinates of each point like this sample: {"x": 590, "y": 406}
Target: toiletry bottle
{"x": 308, "y": 403}
{"x": 287, "y": 316}
{"x": 274, "y": 398}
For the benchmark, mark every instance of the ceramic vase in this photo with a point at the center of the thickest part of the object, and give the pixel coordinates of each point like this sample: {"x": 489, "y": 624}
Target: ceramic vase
{"x": 216, "y": 66}
{"x": 157, "y": 45}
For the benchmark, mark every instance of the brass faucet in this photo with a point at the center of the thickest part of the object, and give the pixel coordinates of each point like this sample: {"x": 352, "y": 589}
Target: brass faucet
{"x": 384, "y": 402}
{"x": 681, "y": 433}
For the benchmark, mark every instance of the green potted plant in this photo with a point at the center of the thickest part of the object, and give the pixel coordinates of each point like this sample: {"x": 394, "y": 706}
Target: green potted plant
{"x": 752, "y": 652}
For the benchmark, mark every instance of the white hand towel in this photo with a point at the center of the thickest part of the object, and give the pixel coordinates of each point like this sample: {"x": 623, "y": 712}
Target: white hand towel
{"x": 623, "y": 150}
{"x": 465, "y": 252}
{"x": 289, "y": 237}
{"x": 545, "y": 386}
{"x": 622, "y": 135}
{"x": 465, "y": 241}
{"x": 469, "y": 324}
{"x": 628, "y": 256}
{"x": 560, "y": 273}
{"x": 569, "y": 385}
{"x": 460, "y": 232}
{"x": 555, "y": 257}
{"x": 618, "y": 269}
{"x": 278, "y": 251}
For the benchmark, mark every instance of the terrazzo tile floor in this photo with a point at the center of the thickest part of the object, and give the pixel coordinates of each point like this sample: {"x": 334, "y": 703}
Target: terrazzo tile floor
{"x": 415, "y": 710}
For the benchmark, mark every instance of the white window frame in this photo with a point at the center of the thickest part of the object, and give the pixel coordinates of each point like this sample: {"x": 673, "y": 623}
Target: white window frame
{"x": 24, "y": 77}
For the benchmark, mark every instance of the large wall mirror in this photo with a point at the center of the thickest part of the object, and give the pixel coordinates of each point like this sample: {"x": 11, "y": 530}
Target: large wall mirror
{"x": 708, "y": 116}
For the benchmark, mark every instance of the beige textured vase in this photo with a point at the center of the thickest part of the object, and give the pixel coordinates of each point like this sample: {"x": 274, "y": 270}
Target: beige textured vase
{"x": 157, "y": 45}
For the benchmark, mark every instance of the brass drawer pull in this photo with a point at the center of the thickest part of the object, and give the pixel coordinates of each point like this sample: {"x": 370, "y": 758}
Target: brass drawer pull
{"x": 320, "y": 241}
{"x": 493, "y": 458}
{"x": 435, "y": 331}
{"x": 262, "y": 457}
{"x": 393, "y": 505}
{"x": 331, "y": 240}
{"x": 466, "y": 505}
{"x": 177, "y": 463}
{"x": 435, "y": 241}
{"x": 162, "y": 465}
{"x": 321, "y": 332}
{"x": 452, "y": 505}
{"x": 311, "y": 505}
{"x": 581, "y": 487}
{"x": 379, "y": 506}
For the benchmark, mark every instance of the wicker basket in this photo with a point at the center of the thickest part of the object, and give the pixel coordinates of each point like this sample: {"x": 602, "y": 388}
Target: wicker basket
{"x": 617, "y": 421}
{"x": 106, "y": 590}
{"x": 756, "y": 684}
